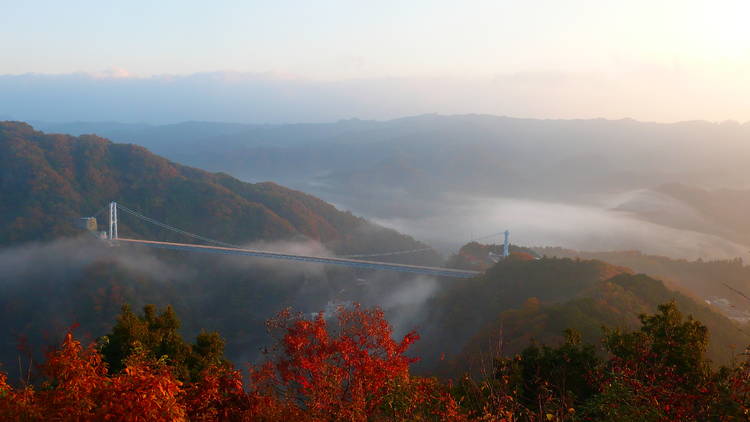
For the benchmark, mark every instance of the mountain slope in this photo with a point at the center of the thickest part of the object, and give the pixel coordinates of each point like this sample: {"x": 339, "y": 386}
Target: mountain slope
{"x": 47, "y": 181}
{"x": 53, "y": 278}
{"x": 518, "y": 300}
{"x": 612, "y": 303}
{"x": 724, "y": 279}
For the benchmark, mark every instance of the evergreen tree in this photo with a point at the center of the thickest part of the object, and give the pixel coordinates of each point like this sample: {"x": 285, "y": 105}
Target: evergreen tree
{"x": 157, "y": 337}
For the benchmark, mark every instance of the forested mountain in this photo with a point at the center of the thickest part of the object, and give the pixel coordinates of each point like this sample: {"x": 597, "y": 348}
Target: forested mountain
{"x": 520, "y": 300}
{"x": 48, "y": 181}
{"x": 704, "y": 279}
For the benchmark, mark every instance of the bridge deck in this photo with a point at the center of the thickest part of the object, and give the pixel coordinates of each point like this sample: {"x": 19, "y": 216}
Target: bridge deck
{"x": 435, "y": 271}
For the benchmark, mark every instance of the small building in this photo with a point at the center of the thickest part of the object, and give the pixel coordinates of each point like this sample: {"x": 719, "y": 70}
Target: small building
{"x": 87, "y": 223}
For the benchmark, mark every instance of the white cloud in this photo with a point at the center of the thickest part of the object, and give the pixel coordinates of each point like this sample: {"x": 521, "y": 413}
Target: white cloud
{"x": 112, "y": 73}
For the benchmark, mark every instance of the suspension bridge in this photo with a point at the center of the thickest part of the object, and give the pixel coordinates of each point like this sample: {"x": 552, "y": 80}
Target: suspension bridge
{"x": 224, "y": 248}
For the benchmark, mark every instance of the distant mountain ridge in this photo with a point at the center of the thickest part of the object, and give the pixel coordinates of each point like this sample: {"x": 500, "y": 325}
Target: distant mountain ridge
{"x": 432, "y": 155}
{"x": 628, "y": 152}
{"x": 436, "y": 176}
{"x": 47, "y": 181}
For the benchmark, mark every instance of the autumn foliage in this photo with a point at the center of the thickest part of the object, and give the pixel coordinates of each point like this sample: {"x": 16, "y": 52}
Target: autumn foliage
{"x": 78, "y": 389}
{"x": 348, "y": 367}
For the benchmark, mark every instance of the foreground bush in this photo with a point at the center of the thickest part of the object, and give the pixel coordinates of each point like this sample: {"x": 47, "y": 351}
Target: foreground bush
{"x": 658, "y": 373}
{"x": 350, "y": 368}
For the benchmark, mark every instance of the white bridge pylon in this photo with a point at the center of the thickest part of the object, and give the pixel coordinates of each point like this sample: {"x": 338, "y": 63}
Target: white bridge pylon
{"x": 229, "y": 249}
{"x": 112, "y": 221}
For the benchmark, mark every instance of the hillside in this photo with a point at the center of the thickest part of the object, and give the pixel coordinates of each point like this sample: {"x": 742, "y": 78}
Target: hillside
{"x": 460, "y": 310}
{"x": 704, "y": 279}
{"x": 519, "y": 300}
{"x": 480, "y": 257}
{"x": 612, "y": 303}
{"x": 47, "y": 181}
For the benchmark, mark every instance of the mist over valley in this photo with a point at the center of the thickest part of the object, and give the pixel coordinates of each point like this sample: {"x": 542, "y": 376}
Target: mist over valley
{"x": 375, "y": 211}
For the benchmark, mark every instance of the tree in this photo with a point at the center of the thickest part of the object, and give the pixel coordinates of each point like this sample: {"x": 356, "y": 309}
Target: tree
{"x": 658, "y": 373}
{"x": 561, "y": 373}
{"x": 348, "y": 368}
{"x": 156, "y": 336}
{"x": 664, "y": 339}
{"x": 79, "y": 388}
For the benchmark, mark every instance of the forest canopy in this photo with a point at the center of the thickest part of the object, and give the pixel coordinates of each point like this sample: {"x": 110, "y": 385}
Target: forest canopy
{"x": 348, "y": 366}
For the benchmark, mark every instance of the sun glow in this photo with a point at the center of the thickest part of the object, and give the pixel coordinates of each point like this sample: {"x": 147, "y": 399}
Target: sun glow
{"x": 720, "y": 30}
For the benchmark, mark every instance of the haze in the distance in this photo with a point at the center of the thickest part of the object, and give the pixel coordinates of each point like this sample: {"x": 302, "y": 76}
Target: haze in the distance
{"x": 288, "y": 61}
{"x": 133, "y": 71}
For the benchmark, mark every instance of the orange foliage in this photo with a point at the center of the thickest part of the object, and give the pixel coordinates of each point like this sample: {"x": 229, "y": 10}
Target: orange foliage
{"x": 344, "y": 374}
{"x": 143, "y": 392}
{"x": 352, "y": 371}
{"x": 78, "y": 389}
{"x": 348, "y": 369}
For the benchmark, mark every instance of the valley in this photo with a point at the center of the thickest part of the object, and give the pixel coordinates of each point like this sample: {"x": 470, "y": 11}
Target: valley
{"x": 534, "y": 294}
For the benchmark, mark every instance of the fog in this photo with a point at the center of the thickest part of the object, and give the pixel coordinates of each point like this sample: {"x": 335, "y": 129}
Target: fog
{"x": 67, "y": 258}
{"x": 85, "y": 282}
{"x": 286, "y": 270}
{"x": 601, "y": 227}
{"x": 402, "y": 296}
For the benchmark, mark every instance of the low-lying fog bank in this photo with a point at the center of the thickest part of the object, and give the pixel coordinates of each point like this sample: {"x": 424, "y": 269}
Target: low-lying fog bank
{"x": 613, "y": 223}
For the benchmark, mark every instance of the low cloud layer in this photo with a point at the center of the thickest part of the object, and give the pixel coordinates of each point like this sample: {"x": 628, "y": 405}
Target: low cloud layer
{"x": 66, "y": 258}
{"x": 114, "y": 95}
{"x": 582, "y": 227}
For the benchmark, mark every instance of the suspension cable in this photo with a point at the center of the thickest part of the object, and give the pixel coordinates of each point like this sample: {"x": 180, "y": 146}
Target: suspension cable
{"x": 175, "y": 229}
{"x": 386, "y": 253}
{"x": 230, "y": 245}
{"x": 485, "y": 237}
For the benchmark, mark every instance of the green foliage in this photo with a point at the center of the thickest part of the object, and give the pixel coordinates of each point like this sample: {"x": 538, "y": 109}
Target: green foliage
{"x": 658, "y": 372}
{"x": 580, "y": 294}
{"x": 157, "y": 336}
{"x": 704, "y": 278}
{"x": 465, "y": 309}
{"x": 562, "y": 372}
{"x": 666, "y": 340}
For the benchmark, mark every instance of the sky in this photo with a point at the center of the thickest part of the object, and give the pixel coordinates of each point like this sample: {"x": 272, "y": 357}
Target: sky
{"x": 660, "y": 60}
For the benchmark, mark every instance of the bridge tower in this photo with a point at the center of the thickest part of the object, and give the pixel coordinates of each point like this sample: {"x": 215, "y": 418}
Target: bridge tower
{"x": 112, "y": 220}
{"x": 506, "y": 244}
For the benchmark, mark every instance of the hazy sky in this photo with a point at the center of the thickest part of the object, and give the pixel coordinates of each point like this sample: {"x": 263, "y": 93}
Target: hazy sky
{"x": 698, "y": 50}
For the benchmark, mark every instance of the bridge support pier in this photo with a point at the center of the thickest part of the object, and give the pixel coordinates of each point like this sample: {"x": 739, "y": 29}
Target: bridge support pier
{"x": 112, "y": 221}
{"x": 506, "y": 244}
